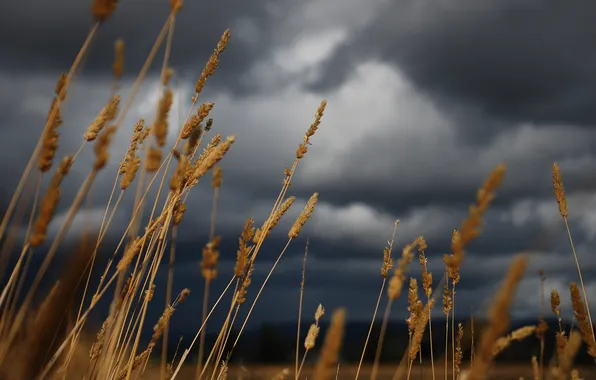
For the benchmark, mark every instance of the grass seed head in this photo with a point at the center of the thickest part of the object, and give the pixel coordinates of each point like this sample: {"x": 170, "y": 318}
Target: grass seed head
{"x": 107, "y": 114}
{"x": 304, "y": 216}
{"x": 559, "y": 190}
{"x": 118, "y": 66}
{"x": 103, "y": 9}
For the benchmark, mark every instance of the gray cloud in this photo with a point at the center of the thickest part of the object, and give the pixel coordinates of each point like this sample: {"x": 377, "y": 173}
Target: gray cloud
{"x": 50, "y": 35}
{"x": 510, "y": 60}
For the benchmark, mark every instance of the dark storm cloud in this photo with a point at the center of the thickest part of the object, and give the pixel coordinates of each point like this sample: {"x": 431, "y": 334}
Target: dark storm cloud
{"x": 43, "y": 36}
{"x": 512, "y": 61}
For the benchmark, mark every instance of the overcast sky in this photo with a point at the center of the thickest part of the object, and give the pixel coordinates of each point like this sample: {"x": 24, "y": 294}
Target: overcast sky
{"x": 424, "y": 98}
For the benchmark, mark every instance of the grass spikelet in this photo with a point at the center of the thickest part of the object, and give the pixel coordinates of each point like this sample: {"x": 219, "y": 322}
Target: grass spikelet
{"x": 195, "y": 121}
{"x": 270, "y": 224}
{"x": 223, "y": 372}
{"x": 132, "y": 251}
{"x": 210, "y": 160}
{"x": 193, "y": 141}
{"x": 471, "y": 226}
{"x": 313, "y": 331}
{"x": 118, "y": 66}
{"x": 213, "y": 62}
{"x": 447, "y": 300}
{"x": 387, "y": 259}
{"x": 131, "y": 152}
{"x": 97, "y": 346}
{"x": 325, "y": 367}
{"x": 414, "y": 305}
{"x": 304, "y": 216}
{"x": 210, "y": 259}
{"x": 582, "y": 322}
{"x": 559, "y": 190}
{"x": 176, "y": 5}
{"x": 421, "y": 323}
{"x": 60, "y": 89}
{"x": 160, "y": 127}
{"x": 217, "y": 178}
{"x": 50, "y": 135}
{"x": 107, "y": 114}
{"x": 131, "y": 162}
{"x": 179, "y": 176}
{"x": 103, "y": 9}
{"x": 178, "y": 213}
{"x": 49, "y": 203}
{"x": 498, "y": 318}
{"x": 555, "y": 302}
{"x": 303, "y": 147}
{"x": 244, "y": 248}
{"x": 246, "y": 281}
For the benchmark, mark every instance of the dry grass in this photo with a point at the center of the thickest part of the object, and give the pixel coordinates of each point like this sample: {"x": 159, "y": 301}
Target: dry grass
{"x": 45, "y": 340}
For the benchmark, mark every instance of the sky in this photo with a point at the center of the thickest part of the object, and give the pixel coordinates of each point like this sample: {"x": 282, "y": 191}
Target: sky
{"x": 424, "y": 97}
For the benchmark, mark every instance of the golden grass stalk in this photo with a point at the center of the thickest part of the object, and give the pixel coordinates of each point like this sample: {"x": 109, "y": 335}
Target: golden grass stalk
{"x": 498, "y": 318}
{"x": 562, "y": 202}
{"x": 324, "y": 369}
{"x": 385, "y": 269}
{"x": 311, "y": 337}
